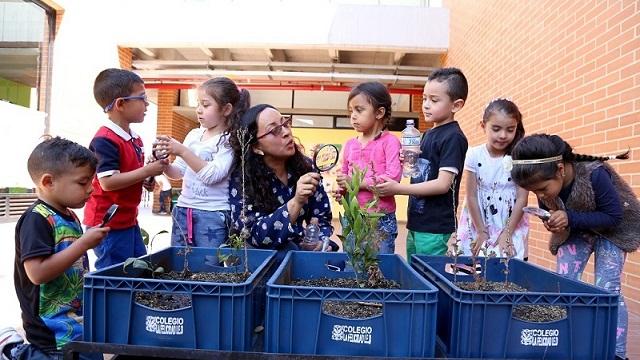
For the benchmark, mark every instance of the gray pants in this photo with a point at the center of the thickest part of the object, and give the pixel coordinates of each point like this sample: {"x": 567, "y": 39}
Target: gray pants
{"x": 572, "y": 258}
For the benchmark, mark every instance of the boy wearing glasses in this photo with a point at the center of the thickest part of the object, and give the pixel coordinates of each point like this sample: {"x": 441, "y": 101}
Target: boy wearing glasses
{"x": 121, "y": 171}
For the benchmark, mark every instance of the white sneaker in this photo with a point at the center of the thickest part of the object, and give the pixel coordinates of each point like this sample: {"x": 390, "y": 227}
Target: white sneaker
{"x": 9, "y": 336}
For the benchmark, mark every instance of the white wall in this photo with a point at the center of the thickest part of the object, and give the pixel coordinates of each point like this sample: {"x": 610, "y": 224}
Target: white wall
{"x": 85, "y": 45}
{"x": 21, "y": 132}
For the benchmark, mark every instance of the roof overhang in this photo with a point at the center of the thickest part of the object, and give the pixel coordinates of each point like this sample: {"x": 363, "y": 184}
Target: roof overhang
{"x": 289, "y": 44}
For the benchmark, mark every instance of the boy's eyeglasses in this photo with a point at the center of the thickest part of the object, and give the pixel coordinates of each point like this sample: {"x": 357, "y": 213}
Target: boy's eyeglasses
{"x": 285, "y": 121}
{"x": 142, "y": 97}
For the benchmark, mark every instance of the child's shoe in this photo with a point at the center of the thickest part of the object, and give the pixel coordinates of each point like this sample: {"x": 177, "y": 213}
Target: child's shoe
{"x": 9, "y": 338}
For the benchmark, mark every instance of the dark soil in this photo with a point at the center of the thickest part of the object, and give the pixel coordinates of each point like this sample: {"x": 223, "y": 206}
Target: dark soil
{"x": 217, "y": 277}
{"x": 162, "y": 301}
{"x": 350, "y": 309}
{"x": 532, "y": 313}
{"x": 349, "y": 283}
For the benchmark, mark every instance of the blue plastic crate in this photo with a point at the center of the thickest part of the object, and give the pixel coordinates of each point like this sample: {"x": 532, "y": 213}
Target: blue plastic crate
{"x": 296, "y": 323}
{"x": 481, "y": 324}
{"x": 221, "y": 316}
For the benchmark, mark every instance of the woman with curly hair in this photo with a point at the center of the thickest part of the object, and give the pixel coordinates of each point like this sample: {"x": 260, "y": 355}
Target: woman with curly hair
{"x": 281, "y": 190}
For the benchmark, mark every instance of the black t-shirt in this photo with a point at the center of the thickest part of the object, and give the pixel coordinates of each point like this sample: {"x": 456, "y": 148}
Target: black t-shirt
{"x": 444, "y": 146}
{"x": 51, "y": 312}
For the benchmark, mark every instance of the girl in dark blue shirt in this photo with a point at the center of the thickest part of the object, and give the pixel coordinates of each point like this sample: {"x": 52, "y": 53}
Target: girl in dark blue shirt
{"x": 592, "y": 210}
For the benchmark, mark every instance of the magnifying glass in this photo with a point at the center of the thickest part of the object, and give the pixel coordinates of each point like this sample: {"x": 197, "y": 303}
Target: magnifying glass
{"x": 544, "y": 215}
{"x": 325, "y": 157}
{"x": 111, "y": 211}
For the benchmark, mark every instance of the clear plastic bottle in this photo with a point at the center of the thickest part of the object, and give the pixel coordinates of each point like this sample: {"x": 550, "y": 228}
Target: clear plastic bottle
{"x": 312, "y": 232}
{"x": 410, "y": 149}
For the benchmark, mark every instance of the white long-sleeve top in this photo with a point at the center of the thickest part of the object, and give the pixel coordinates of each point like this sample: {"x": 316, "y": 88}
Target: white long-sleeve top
{"x": 208, "y": 189}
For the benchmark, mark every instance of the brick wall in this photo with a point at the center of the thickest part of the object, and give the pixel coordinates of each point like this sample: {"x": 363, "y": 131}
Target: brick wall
{"x": 172, "y": 124}
{"x": 573, "y": 68}
{"x": 125, "y": 57}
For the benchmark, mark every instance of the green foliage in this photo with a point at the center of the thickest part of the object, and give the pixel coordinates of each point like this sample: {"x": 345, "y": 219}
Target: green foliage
{"x": 145, "y": 236}
{"x": 360, "y": 237}
{"x": 136, "y": 263}
{"x": 237, "y": 243}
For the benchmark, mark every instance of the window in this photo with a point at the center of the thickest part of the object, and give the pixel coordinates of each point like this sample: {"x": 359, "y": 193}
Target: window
{"x": 25, "y": 38}
{"x": 313, "y": 121}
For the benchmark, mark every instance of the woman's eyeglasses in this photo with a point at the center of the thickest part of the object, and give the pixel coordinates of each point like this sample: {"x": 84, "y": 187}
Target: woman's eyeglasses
{"x": 285, "y": 121}
{"x": 142, "y": 97}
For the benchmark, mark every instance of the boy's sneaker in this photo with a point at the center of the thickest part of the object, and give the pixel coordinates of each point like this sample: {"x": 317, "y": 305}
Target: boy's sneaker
{"x": 9, "y": 338}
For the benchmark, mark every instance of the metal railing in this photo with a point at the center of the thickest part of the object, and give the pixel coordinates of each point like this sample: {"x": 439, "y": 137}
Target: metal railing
{"x": 15, "y": 204}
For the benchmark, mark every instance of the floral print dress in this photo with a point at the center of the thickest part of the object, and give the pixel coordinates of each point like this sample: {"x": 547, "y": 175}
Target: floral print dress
{"x": 496, "y": 199}
{"x": 273, "y": 230}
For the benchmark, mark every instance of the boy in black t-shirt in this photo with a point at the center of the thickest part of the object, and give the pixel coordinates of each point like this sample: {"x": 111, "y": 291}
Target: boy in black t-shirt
{"x": 51, "y": 260}
{"x": 433, "y": 193}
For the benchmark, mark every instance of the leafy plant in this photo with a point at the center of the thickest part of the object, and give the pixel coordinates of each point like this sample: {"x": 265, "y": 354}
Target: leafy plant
{"x": 143, "y": 265}
{"x": 149, "y": 242}
{"x": 238, "y": 240}
{"x": 234, "y": 242}
{"x": 360, "y": 236}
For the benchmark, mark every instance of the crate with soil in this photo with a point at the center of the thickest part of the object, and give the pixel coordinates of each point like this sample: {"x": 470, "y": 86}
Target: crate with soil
{"x": 317, "y": 309}
{"x": 198, "y": 298}
{"x": 494, "y": 308}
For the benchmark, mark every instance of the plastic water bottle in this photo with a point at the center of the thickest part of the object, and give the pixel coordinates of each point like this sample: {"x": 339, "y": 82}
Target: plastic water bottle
{"x": 312, "y": 232}
{"x": 410, "y": 149}
{"x": 325, "y": 244}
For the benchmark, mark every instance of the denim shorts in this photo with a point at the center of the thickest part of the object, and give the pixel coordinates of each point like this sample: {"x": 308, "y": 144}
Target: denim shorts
{"x": 118, "y": 246}
{"x": 208, "y": 228}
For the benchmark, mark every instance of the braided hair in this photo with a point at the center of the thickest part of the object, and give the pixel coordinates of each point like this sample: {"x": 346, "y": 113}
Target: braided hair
{"x": 541, "y": 146}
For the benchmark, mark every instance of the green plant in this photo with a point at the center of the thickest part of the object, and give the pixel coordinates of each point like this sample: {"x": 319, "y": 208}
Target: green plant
{"x": 238, "y": 240}
{"x": 236, "y": 243}
{"x": 149, "y": 242}
{"x": 143, "y": 265}
{"x": 360, "y": 236}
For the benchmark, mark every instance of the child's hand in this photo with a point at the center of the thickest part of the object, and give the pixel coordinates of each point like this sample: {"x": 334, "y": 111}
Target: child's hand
{"x": 387, "y": 186}
{"x": 337, "y": 194}
{"x": 481, "y": 239}
{"x": 156, "y": 167}
{"x": 505, "y": 244}
{"x": 341, "y": 180}
{"x": 558, "y": 221}
{"x": 93, "y": 236}
{"x": 169, "y": 145}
